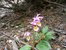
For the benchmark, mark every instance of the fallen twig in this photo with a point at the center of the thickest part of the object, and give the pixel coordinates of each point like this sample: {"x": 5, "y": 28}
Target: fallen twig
{"x": 55, "y": 3}
{"x": 2, "y": 36}
{"x": 58, "y": 30}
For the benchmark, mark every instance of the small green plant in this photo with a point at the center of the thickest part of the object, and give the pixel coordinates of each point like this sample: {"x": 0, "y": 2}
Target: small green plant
{"x": 45, "y": 37}
{"x": 41, "y": 37}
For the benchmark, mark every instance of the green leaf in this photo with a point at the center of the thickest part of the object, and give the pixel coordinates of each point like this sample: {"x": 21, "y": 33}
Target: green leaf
{"x": 37, "y": 36}
{"x": 26, "y": 47}
{"x": 49, "y": 35}
{"x": 43, "y": 45}
{"x": 45, "y": 29}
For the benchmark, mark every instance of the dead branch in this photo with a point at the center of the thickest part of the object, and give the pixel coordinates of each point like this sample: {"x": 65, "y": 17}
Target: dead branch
{"x": 1, "y": 6}
{"x": 9, "y": 2}
{"x": 58, "y": 30}
{"x": 55, "y": 3}
{"x": 2, "y": 36}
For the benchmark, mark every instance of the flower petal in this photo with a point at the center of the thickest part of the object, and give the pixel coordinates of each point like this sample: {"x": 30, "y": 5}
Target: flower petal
{"x": 36, "y": 28}
{"x": 28, "y": 38}
{"x": 26, "y": 34}
{"x": 33, "y": 23}
{"x": 39, "y": 24}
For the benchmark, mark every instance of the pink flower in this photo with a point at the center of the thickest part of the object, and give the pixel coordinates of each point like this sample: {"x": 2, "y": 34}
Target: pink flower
{"x": 36, "y": 23}
{"x": 40, "y": 17}
{"x": 26, "y": 34}
{"x": 33, "y": 23}
{"x": 37, "y": 18}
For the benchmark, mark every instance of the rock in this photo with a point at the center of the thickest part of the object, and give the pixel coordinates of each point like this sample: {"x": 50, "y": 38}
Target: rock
{"x": 19, "y": 31}
{"x": 6, "y": 28}
{"x": 16, "y": 26}
{"x": 12, "y": 25}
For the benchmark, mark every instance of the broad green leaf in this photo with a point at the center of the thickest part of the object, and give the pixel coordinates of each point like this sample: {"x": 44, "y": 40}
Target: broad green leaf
{"x": 49, "y": 37}
{"x": 50, "y": 33}
{"x": 43, "y": 45}
{"x": 26, "y": 47}
{"x": 45, "y": 29}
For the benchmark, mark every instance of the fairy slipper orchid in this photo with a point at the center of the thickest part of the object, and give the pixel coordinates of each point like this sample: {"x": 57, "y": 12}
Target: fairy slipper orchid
{"x": 36, "y": 23}
{"x": 36, "y": 28}
{"x": 27, "y": 35}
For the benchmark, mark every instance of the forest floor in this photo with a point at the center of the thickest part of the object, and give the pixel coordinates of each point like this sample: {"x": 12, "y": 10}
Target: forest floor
{"x": 55, "y": 18}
